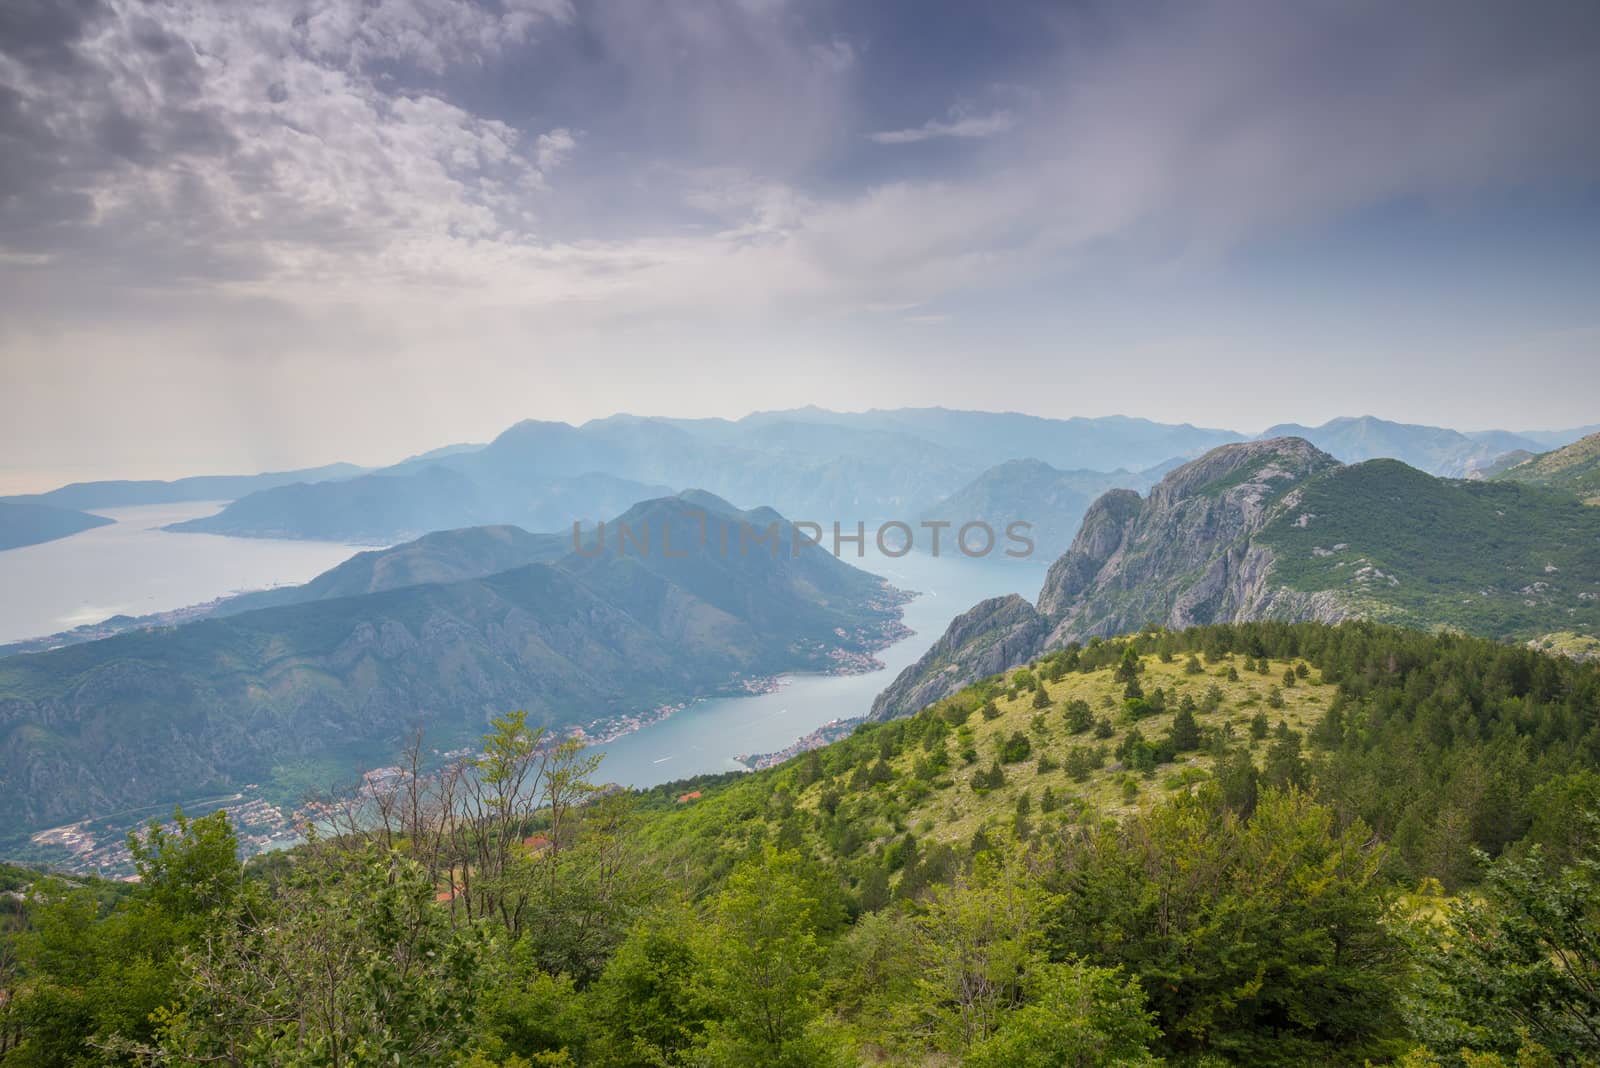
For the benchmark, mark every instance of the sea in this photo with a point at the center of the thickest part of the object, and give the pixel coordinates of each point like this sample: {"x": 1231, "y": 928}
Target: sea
{"x": 134, "y": 568}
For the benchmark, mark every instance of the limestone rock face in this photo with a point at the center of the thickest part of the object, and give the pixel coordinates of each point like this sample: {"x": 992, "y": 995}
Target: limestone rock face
{"x": 986, "y": 639}
{"x": 1181, "y": 556}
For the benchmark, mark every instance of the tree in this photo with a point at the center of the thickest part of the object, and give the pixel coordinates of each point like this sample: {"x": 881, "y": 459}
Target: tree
{"x": 349, "y": 962}
{"x": 101, "y": 976}
{"x": 1238, "y": 781}
{"x": 765, "y": 966}
{"x": 1079, "y": 716}
{"x": 976, "y": 942}
{"x": 1185, "y": 732}
{"x": 1076, "y": 1016}
{"x": 1192, "y": 665}
{"x": 1040, "y": 698}
{"x": 1524, "y": 958}
{"x": 1128, "y": 667}
{"x": 653, "y": 1003}
{"x": 1016, "y": 748}
{"x": 1260, "y": 940}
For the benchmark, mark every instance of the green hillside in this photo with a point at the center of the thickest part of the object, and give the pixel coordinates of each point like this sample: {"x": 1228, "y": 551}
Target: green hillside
{"x": 1574, "y": 469}
{"x": 1303, "y": 844}
{"x": 1400, "y": 546}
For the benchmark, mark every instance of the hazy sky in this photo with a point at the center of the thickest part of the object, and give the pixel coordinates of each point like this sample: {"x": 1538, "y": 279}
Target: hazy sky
{"x": 237, "y": 236}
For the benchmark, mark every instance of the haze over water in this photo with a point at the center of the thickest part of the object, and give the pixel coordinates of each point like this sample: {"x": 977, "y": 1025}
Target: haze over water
{"x": 709, "y": 736}
{"x": 133, "y": 567}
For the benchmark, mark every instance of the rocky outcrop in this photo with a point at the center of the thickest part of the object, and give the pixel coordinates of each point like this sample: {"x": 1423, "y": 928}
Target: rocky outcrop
{"x": 1182, "y": 556}
{"x": 984, "y": 640}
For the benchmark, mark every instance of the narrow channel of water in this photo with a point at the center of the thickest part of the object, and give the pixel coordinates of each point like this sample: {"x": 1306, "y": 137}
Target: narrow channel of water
{"x": 709, "y": 735}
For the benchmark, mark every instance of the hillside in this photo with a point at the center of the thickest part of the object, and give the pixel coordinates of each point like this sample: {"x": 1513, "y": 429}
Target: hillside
{"x": 1280, "y": 530}
{"x": 587, "y": 641}
{"x": 1574, "y": 469}
{"x": 27, "y": 523}
{"x": 1262, "y": 844}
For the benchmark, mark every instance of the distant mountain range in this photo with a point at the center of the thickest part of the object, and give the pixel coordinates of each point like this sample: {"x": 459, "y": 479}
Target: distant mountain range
{"x": 1436, "y": 450}
{"x": 363, "y": 656}
{"x": 1279, "y": 529}
{"x": 128, "y": 494}
{"x": 1049, "y": 500}
{"x": 28, "y": 523}
{"x": 811, "y": 463}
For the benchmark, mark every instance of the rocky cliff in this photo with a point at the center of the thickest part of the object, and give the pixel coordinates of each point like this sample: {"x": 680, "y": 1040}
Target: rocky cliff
{"x": 1178, "y": 557}
{"x": 1278, "y": 529}
{"x": 984, "y": 640}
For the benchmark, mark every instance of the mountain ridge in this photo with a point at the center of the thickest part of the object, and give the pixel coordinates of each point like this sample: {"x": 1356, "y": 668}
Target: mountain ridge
{"x": 1280, "y": 530}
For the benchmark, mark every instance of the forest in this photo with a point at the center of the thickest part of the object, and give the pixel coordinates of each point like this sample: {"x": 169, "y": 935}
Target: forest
{"x": 1231, "y": 845}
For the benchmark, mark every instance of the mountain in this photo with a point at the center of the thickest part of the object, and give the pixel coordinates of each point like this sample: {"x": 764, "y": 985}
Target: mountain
{"x": 1050, "y": 500}
{"x": 1280, "y": 530}
{"x": 989, "y": 438}
{"x": 27, "y": 523}
{"x": 1555, "y": 439}
{"x": 587, "y": 641}
{"x": 443, "y": 556}
{"x": 813, "y": 464}
{"x": 1436, "y": 450}
{"x": 125, "y": 494}
{"x": 1502, "y": 464}
{"x": 1574, "y": 469}
{"x": 385, "y": 507}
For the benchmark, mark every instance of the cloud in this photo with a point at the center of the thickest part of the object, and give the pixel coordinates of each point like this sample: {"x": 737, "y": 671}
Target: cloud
{"x": 190, "y": 143}
{"x": 957, "y": 126}
{"x": 577, "y": 167}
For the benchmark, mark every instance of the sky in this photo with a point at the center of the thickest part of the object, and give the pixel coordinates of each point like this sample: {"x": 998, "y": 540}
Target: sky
{"x": 245, "y": 236}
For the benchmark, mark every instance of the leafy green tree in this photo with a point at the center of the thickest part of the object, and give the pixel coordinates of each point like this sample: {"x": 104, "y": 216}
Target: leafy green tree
{"x": 653, "y": 1004}
{"x": 1015, "y": 748}
{"x": 103, "y": 976}
{"x": 1128, "y": 667}
{"x": 1260, "y": 940}
{"x": 1076, "y": 1016}
{"x": 350, "y": 962}
{"x": 1238, "y": 781}
{"x": 976, "y": 941}
{"x": 765, "y": 966}
{"x": 1522, "y": 958}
